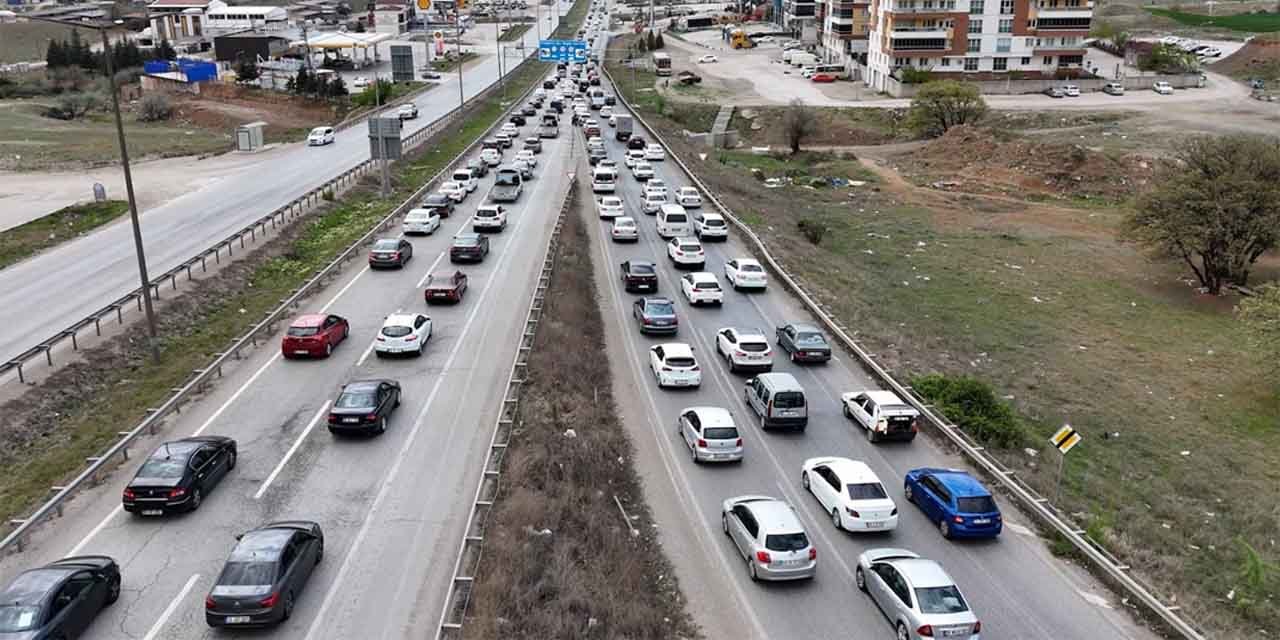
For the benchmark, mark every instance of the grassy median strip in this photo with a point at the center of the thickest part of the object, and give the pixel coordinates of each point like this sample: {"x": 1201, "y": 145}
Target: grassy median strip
{"x": 68, "y": 223}
{"x": 560, "y": 559}
{"x": 514, "y": 32}
{"x": 76, "y": 412}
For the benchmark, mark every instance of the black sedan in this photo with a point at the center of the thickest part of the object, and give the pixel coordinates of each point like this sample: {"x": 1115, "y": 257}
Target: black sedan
{"x": 804, "y": 343}
{"x": 517, "y": 119}
{"x": 364, "y": 406}
{"x": 636, "y": 142}
{"x": 656, "y": 315}
{"x": 264, "y": 574}
{"x": 59, "y": 600}
{"x": 441, "y": 203}
{"x": 178, "y": 475}
{"x": 639, "y": 275}
{"x": 390, "y": 252}
{"x": 469, "y": 247}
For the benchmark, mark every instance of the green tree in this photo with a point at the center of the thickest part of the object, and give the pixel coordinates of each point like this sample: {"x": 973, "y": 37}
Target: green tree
{"x": 1216, "y": 207}
{"x": 1167, "y": 58}
{"x": 942, "y": 104}
{"x": 300, "y": 83}
{"x": 79, "y": 54}
{"x": 650, "y": 42}
{"x": 247, "y": 69}
{"x": 658, "y": 43}
{"x": 55, "y": 56}
{"x": 337, "y": 88}
{"x": 164, "y": 51}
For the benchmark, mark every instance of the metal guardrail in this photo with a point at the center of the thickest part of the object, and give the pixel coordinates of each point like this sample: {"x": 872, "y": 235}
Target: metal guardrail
{"x": 454, "y": 613}
{"x": 1103, "y": 560}
{"x": 203, "y": 377}
{"x": 298, "y": 206}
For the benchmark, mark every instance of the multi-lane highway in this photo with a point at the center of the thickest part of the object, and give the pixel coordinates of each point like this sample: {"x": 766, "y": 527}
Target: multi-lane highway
{"x": 393, "y": 506}
{"x": 43, "y": 295}
{"x": 1018, "y": 590}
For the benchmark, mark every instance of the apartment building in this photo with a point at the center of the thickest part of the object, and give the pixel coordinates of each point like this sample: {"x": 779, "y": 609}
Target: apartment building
{"x": 843, "y": 27}
{"x": 800, "y": 17}
{"x": 981, "y": 39}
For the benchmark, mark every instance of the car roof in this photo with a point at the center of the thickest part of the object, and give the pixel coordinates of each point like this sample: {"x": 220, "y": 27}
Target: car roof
{"x": 261, "y": 545}
{"x": 402, "y": 318}
{"x": 922, "y": 572}
{"x": 308, "y": 320}
{"x": 657, "y": 300}
{"x": 960, "y": 483}
{"x": 855, "y": 471}
{"x": 362, "y": 385}
{"x": 33, "y": 586}
{"x": 775, "y": 516}
{"x": 634, "y": 263}
{"x": 624, "y": 219}
{"x": 805, "y": 327}
{"x": 676, "y": 349}
{"x": 467, "y": 236}
{"x": 885, "y": 397}
{"x": 703, "y": 276}
{"x": 177, "y": 448}
{"x": 750, "y": 333}
{"x": 713, "y": 416}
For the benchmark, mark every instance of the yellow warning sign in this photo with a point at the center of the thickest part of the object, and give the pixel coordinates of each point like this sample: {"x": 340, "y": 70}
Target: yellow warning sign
{"x": 424, "y": 4}
{"x": 1066, "y": 438}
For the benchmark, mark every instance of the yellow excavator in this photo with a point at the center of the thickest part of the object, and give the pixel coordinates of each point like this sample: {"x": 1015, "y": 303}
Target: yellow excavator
{"x": 738, "y": 39}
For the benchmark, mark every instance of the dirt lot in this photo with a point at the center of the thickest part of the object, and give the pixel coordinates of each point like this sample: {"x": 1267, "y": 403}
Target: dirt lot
{"x": 1258, "y": 58}
{"x": 224, "y": 107}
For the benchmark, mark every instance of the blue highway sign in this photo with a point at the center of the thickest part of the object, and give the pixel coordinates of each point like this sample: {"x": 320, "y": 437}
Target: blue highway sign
{"x": 562, "y": 51}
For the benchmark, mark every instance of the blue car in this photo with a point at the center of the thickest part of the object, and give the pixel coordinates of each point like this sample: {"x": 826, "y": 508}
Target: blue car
{"x": 961, "y": 506}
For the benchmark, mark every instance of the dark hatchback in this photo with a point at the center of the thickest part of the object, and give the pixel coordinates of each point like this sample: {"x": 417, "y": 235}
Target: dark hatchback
{"x": 440, "y": 202}
{"x": 639, "y": 275}
{"x": 478, "y": 169}
{"x": 179, "y": 474}
{"x": 364, "y": 406}
{"x": 58, "y": 600}
{"x": 469, "y": 247}
{"x": 636, "y": 143}
{"x": 656, "y": 315}
{"x": 804, "y": 343}
{"x": 390, "y": 252}
{"x": 264, "y": 574}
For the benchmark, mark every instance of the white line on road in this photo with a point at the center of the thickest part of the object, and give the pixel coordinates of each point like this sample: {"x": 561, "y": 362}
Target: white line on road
{"x": 373, "y": 343}
{"x": 289, "y": 454}
{"x": 173, "y": 606}
{"x": 435, "y": 264}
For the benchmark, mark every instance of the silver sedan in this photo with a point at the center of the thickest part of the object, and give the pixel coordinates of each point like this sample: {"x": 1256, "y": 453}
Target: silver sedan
{"x": 769, "y": 536}
{"x": 917, "y": 596}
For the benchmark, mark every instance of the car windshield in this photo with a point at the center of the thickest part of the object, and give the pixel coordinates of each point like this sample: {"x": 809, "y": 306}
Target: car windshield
{"x": 624, "y": 224}
{"x": 641, "y": 269}
{"x": 676, "y": 217}
{"x": 163, "y": 466}
{"x": 708, "y": 285}
{"x": 317, "y": 132}
{"x": 396, "y": 331}
{"x": 810, "y": 338}
{"x": 941, "y": 600}
{"x": 867, "y": 491}
{"x": 788, "y": 400}
{"x": 244, "y": 574}
{"x": 386, "y": 245}
{"x": 437, "y": 199}
{"x": 660, "y": 309}
{"x": 754, "y": 347}
{"x": 361, "y": 399}
{"x": 302, "y": 332}
{"x": 507, "y": 178}
{"x": 17, "y": 617}
{"x": 690, "y": 248}
{"x": 720, "y": 433}
{"x": 717, "y": 222}
{"x": 417, "y": 216}
{"x": 786, "y": 541}
{"x": 978, "y": 504}
{"x": 466, "y": 242}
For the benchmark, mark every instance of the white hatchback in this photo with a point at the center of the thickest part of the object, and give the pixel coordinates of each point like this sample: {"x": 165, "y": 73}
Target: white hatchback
{"x": 688, "y": 197}
{"x": 403, "y": 333}
{"x": 642, "y": 171}
{"x": 624, "y": 229}
{"x": 701, "y": 287}
{"x": 851, "y": 493}
{"x": 527, "y": 156}
{"x": 421, "y": 221}
{"x": 320, "y": 136}
{"x": 710, "y": 226}
{"x": 489, "y": 217}
{"x": 746, "y": 273}
{"x": 673, "y": 365}
{"x": 491, "y": 157}
{"x": 686, "y": 252}
{"x": 654, "y": 152}
{"x": 744, "y": 349}
{"x": 633, "y": 156}
{"x": 653, "y": 201}
{"x": 609, "y": 207}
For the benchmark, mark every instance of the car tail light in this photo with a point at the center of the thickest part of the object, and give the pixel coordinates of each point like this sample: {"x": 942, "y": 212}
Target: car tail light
{"x": 813, "y": 553}
{"x": 410, "y": 338}
{"x": 977, "y": 627}
{"x": 925, "y": 630}
{"x": 763, "y": 557}
{"x": 852, "y": 512}
{"x": 177, "y": 492}
{"x": 666, "y": 368}
{"x": 270, "y": 601}
{"x": 332, "y": 418}
{"x": 396, "y": 255}
{"x": 128, "y": 494}
{"x": 702, "y": 443}
{"x": 694, "y": 368}
{"x": 740, "y": 353}
{"x": 372, "y": 416}
{"x": 209, "y": 603}
{"x": 739, "y": 443}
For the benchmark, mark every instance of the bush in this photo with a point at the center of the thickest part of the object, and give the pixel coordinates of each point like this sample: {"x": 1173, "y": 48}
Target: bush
{"x": 73, "y": 106}
{"x": 154, "y": 108}
{"x": 973, "y": 406}
{"x": 942, "y": 104}
{"x": 814, "y": 230}
{"x": 912, "y": 75}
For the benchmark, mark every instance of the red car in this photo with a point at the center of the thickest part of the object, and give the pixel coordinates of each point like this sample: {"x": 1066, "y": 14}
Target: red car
{"x": 823, "y": 77}
{"x": 445, "y": 287}
{"x": 314, "y": 334}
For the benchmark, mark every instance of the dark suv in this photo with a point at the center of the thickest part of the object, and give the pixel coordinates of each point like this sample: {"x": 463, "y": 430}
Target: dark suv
{"x": 440, "y": 202}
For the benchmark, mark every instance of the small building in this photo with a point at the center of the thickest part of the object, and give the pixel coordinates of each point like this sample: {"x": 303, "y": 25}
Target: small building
{"x": 252, "y": 45}
{"x": 181, "y": 20}
{"x": 229, "y": 18}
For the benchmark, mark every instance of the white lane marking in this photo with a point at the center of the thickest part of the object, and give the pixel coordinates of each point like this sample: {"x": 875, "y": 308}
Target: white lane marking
{"x": 1095, "y": 599}
{"x": 173, "y": 606}
{"x": 1018, "y": 529}
{"x": 418, "y": 421}
{"x": 343, "y": 290}
{"x": 293, "y": 449}
{"x": 75, "y": 551}
{"x": 373, "y": 343}
{"x": 433, "y": 266}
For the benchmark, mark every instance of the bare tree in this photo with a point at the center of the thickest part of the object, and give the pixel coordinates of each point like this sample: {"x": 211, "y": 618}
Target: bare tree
{"x": 798, "y": 122}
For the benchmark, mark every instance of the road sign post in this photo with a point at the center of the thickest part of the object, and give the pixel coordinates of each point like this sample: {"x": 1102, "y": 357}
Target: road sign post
{"x": 1064, "y": 440}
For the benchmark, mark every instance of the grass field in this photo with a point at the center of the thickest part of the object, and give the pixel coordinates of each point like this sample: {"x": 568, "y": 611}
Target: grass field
{"x": 1250, "y": 22}
{"x": 22, "y": 242}
{"x": 30, "y": 141}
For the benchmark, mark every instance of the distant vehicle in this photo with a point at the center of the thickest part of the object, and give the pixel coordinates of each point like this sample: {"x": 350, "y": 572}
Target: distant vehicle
{"x": 639, "y": 275}
{"x": 390, "y": 252}
{"x": 478, "y": 167}
{"x": 661, "y": 64}
{"x": 767, "y": 533}
{"x": 491, "y": 157}
{"x": 454, "y": 190}
{"x": 642, "y": 171}
{"x": 744, "y": 349}
{"x": 505, "y": 137}
{"x": 469, "y": 247}
{"x": 1113, "y": 89}
{"x": 314, "y": 334}
{"x": 701, "y": 287}
{"x": 655, "y": 152}
{"x": 548, "y": 131}
{"x": 656, "y": 315}
{"x": 59, "y": 600}
{"x": 507, "y": 185}
{"x": 937, "y": 604}
{"x": 489, "y": 217}
{"x": 467, "y": 178}
{"x": 263, "y": 575}
{"x": 517, "y": 119}
{"x": 403, "y": 333}
{"x": 1163, "y": 88}
{"x": 431, "y": 75}
{"x": 609, "y": 207}
{"x": 955, "y": 500}
{"x": 633, "y": 157}
{"x": 364, "y": 406}
{"x": 440, "y": 203}
{"x": 710, "y": 434}
{"x": 421, "y": 221}
{"x": 527, "y": 156}
{"x": 178, "y": 475}
{"x": 408, "y": 111}
{"x": 803, "y": 343}
{"x": 596, "y": 154}
{"x": 635, "y": 143}
{"x": 851, "y": 492}
{"x": 708, "y": 58}
{"x": 321, "y": 136}
{"x": 1071, "y": 91}
{"x": 532, "y": 144}
{"x": 443, "y": 286}
{"x": 745, "y": 273}
{"x": 360, "y": 83}
{"x": 1210, "y": 52}
{"x": 528, "y": 110}
{"x": 653, "y": 201}
{"x": 688, "y": 78}
{"x": 1055, "y": 92}
{"x": 525, "y": 169}
{"x": 686, "y": 252}
{"x": 822, "y": 77}
{"x": 624, "y": 229}
{"x": 673, "y": 365}
{"x": 882, "y": 414}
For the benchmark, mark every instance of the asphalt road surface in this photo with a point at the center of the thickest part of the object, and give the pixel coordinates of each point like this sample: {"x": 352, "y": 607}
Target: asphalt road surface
{"x": 48, "y": 293}
{"x": 392, "y": 507}
{"x": 1017, "y": 589}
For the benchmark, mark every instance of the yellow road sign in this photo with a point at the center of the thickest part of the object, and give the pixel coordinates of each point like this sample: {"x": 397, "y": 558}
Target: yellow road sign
{"x": 424, "y": 4}
{"x": 1065, "y": 439}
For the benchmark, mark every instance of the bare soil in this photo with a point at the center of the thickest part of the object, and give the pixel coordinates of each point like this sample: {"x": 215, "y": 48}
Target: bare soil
{"x": 1258, "y": 58}
{"x": 223, "y": 107}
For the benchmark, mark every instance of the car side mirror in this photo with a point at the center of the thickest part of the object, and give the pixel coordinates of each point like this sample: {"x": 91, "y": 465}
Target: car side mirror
{"x": 239, "y": 536}
{"x": 750, "y": 381}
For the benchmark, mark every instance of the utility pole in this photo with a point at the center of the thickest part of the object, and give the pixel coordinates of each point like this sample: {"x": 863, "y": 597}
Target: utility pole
{"x": 537, "y": 21}
{"x": 502, "y": 84}
{"x": 457, "y": 23}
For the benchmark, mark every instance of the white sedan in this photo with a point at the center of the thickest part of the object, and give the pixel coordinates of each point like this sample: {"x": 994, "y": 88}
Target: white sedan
{"x": 653, "y": 201}
{"x": 403, "y": 333}
{"x": 745, "y": 273}
{"x": 851, "y": 493}
{"x": 456, "y": 191}
{"x": 708, "y": 58}
{"x": 624, "y": 229}
{"x": 360, "y": 83}
{"x": 609, "y": 207}
{"x": 642, "y": 171}
{"x": 686, "y": 252}
{"x": 421, "y": 221}
{"x": 688, "y": 197}
{"x": 654, "y": 152}
{"x": 701, "y": 287}
{"x": 527, "y": 156}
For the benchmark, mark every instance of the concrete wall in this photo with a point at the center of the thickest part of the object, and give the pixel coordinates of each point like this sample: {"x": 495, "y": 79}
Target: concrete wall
{"x": 995, "y": 87}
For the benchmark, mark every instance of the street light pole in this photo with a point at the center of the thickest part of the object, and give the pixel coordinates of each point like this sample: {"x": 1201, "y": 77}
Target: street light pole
{"x": 457, "y": 24}
{"x": 502, "y": 84}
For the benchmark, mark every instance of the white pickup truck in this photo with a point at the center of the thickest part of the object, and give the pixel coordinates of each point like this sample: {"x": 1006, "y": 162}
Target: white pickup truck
{"x": 882, "y": 414}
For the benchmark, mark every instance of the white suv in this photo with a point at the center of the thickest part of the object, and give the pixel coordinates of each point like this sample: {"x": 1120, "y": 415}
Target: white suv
{"x": 489, "y": 216}
{"x": 403, "y": 333}
{"x": 673, "y": 365}
{"x": 710, "y": 226}
{"x": 701, "y": 287}
{"x": 456, "y": 191}
{"x": 686, "y": 252}
{"x": 654, "y": 152}
{"x": 527, "y": 156}
{"x": 744, "y": 349}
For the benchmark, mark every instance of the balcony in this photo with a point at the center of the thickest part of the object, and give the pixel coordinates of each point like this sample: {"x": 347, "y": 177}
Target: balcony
{"x": 911, "y": 31}
{"x": 1046, "y": 23}
{"x": 904, "y": 44}
{"x": 842, "y": 30}
{"x": 918, "y": 7}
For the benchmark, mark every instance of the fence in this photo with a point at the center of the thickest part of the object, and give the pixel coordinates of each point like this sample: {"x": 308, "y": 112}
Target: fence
{"x": 202, "y": 378}
{"x": 1117, "y": 571}
{"x": 1009, "y": 86}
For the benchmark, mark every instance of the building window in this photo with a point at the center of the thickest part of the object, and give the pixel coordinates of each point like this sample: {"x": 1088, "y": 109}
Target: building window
{"x": 970, "y": 64}
{"x": 1048, "y": 60}
{"x": 945, "y": 62}
{"x": 928, "y": 4}
{"x": 975, "y": 7}
{"x": 1006, "y": 7}
{"x": 923, "y": 63}
{"x": 1006, "y": 26}
{"x": 902, "y": 62}
{"x": 1065, "y": 61}
{"x": 975, "y": 45}
{"x": 999, "y": 64}
{"x": 1003, "y": 45}
{"x": 1026, "y": 61}
{"x": 975, "y": 26}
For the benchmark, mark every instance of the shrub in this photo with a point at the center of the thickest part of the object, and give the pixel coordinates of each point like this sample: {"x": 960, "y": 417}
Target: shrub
{"x": 154, "y": 108}
{"x": 973, "y": 406}
{"x": 912, "y": 75}
{"x": 813, "y": 230}
{"x": 73, "y": 106}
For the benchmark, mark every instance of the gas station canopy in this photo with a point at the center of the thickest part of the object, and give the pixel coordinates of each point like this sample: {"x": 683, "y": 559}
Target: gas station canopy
{"x": 336, "y": 40}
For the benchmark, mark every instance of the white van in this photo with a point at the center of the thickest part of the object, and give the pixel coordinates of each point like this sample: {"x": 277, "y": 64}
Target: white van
{"x": 673, "y": 221}
{"x": 604, "y": 180}
{"x": 465, "y": 178}
{"x": 804, "y": 60}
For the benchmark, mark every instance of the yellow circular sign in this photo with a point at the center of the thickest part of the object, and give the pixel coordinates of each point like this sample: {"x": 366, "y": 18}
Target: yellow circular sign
{"x": 424, "y": 4}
